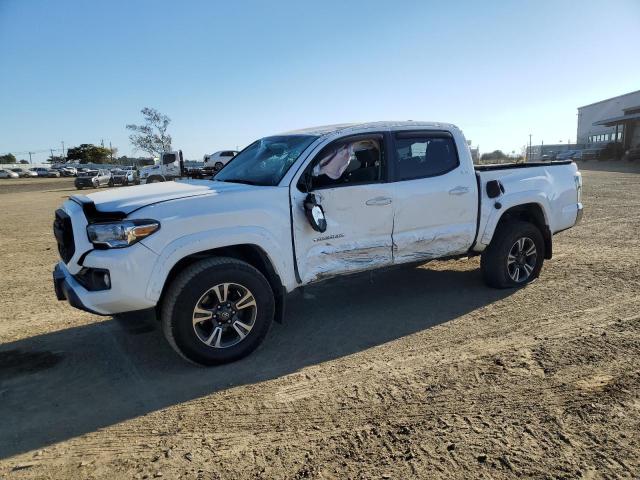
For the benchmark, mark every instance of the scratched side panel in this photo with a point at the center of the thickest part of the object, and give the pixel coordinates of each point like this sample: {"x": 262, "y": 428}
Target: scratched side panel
{"x": 325, "y": 261}
{"x": 427, "y": 245}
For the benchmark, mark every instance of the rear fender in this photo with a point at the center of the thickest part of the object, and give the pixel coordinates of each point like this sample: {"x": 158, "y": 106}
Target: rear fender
{"x": 493, "y": 214}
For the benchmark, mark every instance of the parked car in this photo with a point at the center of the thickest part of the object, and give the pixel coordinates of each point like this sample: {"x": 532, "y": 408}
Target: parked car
{"x": 92, "y": 179}
{"x": 216, "y": 258}
{"x": 53, "y": 173}
{"x": 123, "y": 177}
{"x": 4, "y": 173}
{"x": 214, "y": 162}
{"x": 24, "y": 173}
{"x": 40, "y": 171}
{"x": 568, "y": 155}
{"x": 68, "y": 171}
{"x": 591, "y": 154}
{"x": 633, "y": 154}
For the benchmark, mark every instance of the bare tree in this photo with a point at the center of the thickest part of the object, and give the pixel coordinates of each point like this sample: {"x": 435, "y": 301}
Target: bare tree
{"x": 152, "y": 137}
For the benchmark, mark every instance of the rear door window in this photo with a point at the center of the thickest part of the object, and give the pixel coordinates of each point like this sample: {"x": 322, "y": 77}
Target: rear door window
{"x": 424, "y": 155}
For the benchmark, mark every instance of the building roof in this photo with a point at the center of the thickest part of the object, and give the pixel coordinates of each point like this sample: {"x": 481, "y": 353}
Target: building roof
{"x": 346, "y": 127}
{"x": 609, "y": 99}
{"x": 609, "y": 122}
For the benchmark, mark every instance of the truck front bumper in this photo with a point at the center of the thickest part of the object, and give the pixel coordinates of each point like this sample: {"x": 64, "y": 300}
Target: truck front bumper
{"x": 128, "y": 282}
{"x": 63, "y": 285}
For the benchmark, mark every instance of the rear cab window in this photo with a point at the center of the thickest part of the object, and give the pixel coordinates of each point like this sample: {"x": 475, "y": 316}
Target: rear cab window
{"x": 424, "y": 154}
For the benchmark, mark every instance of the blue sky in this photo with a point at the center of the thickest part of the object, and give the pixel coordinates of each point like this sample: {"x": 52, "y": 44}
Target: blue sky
{"x": 229, "y": 72}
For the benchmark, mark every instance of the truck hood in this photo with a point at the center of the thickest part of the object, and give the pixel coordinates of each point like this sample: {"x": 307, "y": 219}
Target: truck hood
{"x": 129, "y": 199}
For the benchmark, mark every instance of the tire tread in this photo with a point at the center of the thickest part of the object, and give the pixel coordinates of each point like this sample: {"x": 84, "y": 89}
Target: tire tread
{"x": 181, "y": 281}
{"x": 491, "y": 259}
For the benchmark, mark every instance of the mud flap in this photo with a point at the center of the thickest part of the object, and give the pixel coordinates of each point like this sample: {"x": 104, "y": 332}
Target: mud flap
{"x": 280, "y": 297}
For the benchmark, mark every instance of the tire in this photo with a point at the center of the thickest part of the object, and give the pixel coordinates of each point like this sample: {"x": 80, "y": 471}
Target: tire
{"x": 79, "y": 188}
{"x": 503, "y": 257}
{"x": 218, "y": 166}
{"x": 194, "y": 287}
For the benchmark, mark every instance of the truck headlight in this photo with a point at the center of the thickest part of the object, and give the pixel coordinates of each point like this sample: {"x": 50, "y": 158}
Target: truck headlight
{"x": 120, "y": 234}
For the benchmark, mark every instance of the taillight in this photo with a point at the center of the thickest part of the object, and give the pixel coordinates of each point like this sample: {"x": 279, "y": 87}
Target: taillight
{"x": 578, "y": 180}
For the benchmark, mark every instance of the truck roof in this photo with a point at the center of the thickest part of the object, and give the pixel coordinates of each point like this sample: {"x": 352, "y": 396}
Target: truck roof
{"x": 383, "y": 125}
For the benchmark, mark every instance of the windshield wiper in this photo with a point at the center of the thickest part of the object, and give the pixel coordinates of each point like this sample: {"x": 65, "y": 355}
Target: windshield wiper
{"x": 239, "y": 180}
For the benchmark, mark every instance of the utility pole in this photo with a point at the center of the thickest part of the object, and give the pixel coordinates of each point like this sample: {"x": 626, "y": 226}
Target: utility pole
{"x": 529, "y": 156}
{"x": 29, "y": 157}
{"x": 62, "y": 150}
{"x": 110, "y": 152}
{"x": 51, "y": 149}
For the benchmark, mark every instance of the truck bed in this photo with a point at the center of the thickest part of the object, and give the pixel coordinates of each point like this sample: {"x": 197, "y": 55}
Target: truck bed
{"x": 504, "y": 166}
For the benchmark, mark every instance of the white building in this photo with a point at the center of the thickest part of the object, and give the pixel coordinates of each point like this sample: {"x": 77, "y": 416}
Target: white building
{"x": 614, "y": 120}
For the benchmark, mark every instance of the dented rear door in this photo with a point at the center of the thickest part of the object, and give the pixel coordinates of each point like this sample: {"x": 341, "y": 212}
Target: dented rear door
{"x": 435, "y": 197}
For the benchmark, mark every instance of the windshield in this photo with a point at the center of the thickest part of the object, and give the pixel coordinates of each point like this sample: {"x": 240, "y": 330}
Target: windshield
{"x": 265, "y": 161}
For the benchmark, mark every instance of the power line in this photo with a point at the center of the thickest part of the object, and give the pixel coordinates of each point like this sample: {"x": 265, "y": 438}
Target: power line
{"x": 27, "y": 152}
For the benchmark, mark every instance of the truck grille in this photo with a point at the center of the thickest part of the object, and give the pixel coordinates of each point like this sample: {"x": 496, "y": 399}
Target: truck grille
{"x": 64, "y": 235}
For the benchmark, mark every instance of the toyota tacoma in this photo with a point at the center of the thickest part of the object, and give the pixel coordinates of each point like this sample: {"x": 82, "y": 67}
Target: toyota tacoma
{"x": 215, "y": 259}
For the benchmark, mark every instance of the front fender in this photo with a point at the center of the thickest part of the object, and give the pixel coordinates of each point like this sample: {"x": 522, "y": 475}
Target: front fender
{"x": 219, "y": 238}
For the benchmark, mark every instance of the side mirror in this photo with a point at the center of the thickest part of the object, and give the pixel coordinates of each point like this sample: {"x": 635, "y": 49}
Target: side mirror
{"x": 314, "y": 213}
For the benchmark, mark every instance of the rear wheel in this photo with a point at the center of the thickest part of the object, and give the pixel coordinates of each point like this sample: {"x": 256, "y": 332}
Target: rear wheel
{"x": 217, "y": 310}
{"x": 514, "y": 257}
{"x": 218, "y": 166}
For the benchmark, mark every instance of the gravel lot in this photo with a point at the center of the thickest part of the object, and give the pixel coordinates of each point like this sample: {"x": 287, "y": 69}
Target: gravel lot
{"x": 410, "y": 373}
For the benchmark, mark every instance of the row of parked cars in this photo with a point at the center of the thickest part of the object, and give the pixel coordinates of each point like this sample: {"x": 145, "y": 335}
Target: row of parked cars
{"x": 85, "y": 177}
{"x": 53, "y": 172}
{"x": 28, "y": 173}
{"x": 103, "y": 177}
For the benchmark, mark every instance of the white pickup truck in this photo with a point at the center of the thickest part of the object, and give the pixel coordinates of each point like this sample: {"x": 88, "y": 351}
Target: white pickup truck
{"x": 215, "y": 259}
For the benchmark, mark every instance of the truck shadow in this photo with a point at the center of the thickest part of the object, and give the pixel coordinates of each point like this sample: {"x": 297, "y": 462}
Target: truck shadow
{"x": 67, "y": 383}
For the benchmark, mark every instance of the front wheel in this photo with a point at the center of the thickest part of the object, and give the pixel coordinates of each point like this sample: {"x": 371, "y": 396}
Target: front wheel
{"x": 218, "y": 166}
{"x": 514, "y": 257}
{"x": 217, "y": 310}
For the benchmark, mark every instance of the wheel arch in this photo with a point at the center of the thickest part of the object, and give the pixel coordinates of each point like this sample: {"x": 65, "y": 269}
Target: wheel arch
{"x": 252, "y": 254}
{"x": 531, "y": 213}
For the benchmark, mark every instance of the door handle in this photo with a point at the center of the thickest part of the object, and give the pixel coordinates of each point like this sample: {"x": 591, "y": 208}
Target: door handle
{"x": 459, "y": 190}
{"x": 378, "y": 201}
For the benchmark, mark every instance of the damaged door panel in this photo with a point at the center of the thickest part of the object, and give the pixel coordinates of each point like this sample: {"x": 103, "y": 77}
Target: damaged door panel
{"x": 357, "y": 237}
{"x": 347, "y": 179}
{"x": 435, "y": 198}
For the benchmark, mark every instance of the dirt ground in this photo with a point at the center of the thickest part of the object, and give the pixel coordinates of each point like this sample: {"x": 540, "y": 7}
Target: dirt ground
{"x": 411, "y": 373}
